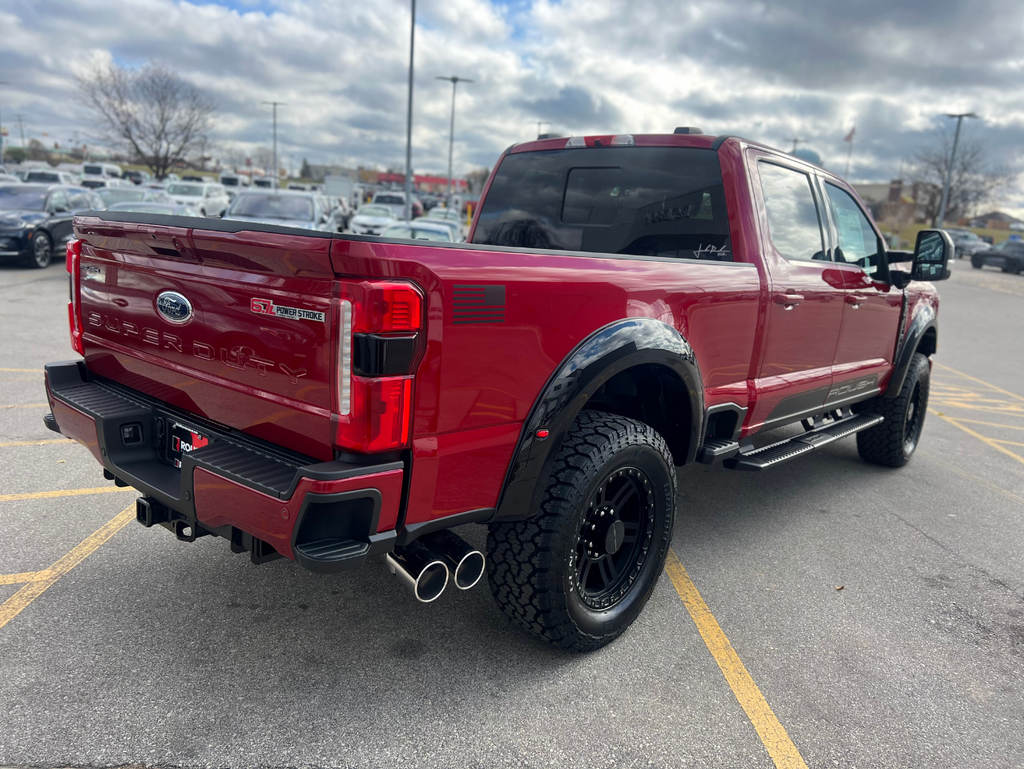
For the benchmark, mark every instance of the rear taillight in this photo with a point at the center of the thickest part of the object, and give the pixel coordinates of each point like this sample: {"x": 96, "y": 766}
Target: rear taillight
{"x": 379, "y": 325}
{"x": 74, "y": 254}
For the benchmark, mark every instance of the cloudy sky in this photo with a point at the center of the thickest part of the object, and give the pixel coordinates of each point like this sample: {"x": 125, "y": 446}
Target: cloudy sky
{"x": 766, "y": 70}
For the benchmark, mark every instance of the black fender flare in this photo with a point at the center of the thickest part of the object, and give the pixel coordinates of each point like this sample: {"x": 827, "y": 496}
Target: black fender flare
{"x": 609, "y": 350}
{"x": 923, "y": 320}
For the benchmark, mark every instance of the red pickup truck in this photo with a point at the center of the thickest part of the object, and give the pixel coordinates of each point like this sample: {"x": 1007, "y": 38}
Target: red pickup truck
{"x": 625, "y": 306}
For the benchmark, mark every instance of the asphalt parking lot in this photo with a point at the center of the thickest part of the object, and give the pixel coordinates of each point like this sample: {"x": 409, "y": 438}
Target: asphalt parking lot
{"x": 825, "y": 613}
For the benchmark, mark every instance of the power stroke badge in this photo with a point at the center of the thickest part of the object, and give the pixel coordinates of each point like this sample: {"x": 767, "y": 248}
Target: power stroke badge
{"x": 267, "y": 307}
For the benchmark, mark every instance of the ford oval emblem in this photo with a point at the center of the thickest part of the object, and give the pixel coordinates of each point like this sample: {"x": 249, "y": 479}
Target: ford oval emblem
{"x": 174, "y": 307}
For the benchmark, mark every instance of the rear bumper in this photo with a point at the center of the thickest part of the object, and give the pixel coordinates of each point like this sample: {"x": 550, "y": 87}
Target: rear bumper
{"x": 327, "y": 516}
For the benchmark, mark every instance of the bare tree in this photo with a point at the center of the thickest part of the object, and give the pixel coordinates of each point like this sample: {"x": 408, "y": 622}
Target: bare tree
{"x": 975, "y": 180}
{"x": 151, "y": 112}
{"x": 477, "y": 178}
{"x": 263, "y": 157}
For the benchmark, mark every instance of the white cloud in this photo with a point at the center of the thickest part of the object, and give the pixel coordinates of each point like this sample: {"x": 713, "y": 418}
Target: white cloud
{"x": 767, "y": 70}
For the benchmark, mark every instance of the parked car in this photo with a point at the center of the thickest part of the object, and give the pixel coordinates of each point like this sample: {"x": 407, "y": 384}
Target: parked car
{"x": 285, "y": 208}
{"x": 99, "y": 182}
{"x": 9, "y": 179}
{"x": 165, "y": 208}
{"x": 453, "y": 227}
{"x": 35, "y": 219}
{"x": 625, "y": 309}
{"x": 102, "y": 169}
{"x": 263, "y": 183}
{"x": 138, "y": 177}
{"x": 371, "y": 219}
{"x": 51, "y": 177}
{"x": 966, "y": 242}
{"x": 111, "y": 196}
{"x": 208, "y": 199}
{"x": 194, "y": 178}
{"x": 393, "y": 200}
{"x": 420, "y": 230}
{"x": 1008, "y": 256}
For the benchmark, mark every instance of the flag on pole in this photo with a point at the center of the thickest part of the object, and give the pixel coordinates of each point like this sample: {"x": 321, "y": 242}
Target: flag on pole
{"x": 849, "y": 137}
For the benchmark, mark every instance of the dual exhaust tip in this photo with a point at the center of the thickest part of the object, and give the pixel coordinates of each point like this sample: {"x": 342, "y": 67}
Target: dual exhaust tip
{"x": 429, "y": 563}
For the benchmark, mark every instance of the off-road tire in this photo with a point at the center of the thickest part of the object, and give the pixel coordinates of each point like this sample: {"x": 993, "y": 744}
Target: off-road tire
{"x": 40, "y": 254}
{"x": 893, "y": 442}
{"x": 531, "y": 565}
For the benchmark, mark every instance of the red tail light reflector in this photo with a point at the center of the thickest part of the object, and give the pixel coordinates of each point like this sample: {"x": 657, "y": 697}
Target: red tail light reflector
{"x": 72, "y": 259}
{"x": 384, "y": 407}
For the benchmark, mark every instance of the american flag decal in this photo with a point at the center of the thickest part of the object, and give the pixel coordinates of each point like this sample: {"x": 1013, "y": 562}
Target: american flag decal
{"x": 478, "y": 304}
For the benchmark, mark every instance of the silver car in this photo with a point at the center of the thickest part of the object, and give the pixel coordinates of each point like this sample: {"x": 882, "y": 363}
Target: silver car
{"x": 371, "y": 220}
{"x": 285, "y": 208}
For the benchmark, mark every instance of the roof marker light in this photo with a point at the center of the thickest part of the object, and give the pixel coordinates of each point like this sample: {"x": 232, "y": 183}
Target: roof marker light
{"x": 575, "y": 141}
{"x": 623, "y": 140}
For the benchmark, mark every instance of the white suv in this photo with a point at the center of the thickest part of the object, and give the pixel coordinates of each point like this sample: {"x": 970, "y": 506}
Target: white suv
{"x": 207, "y": 199}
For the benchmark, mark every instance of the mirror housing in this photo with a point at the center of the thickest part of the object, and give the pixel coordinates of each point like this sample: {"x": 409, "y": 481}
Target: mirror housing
{"x": 931, "y": 256}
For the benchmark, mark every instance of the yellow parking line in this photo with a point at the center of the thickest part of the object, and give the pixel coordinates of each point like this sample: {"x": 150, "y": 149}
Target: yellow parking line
{"x": 24, "y": 370}
{"x": 24, "y": 406}
{"x": 8, "y": 444}
{"x": 25, "y": 576}
{"x": 774, "y": 737}
{"x": 990, "y": 424}
{"x": 1008, "y": 443}
{"x": 18, "y": 602}
{"x": 979, "y": 436}
{"x": 981, "y": 381}
{"x": 65, "y": 493}
{"x": 970, "y": 476}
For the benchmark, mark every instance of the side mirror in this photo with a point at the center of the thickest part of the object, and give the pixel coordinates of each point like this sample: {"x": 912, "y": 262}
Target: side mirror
{"x": 931, "y": 254}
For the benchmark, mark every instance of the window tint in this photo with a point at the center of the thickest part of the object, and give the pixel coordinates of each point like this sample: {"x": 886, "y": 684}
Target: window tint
{"x": 858, "y": 243}
{"x": 646, "y": 201}
{"x": 792, "y": 215}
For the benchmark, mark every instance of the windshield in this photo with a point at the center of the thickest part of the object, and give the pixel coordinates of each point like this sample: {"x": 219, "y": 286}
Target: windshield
{"x": 112, "y": 195}
{"x": 273, "y": 207}
{"x": 390, "y": 200}
{"x": 22, "y": 197}
{"x": 414, "y": 233}
{"x": 188, "y": 190}
{"x": 374, "y": 211}
{"x": 42, "y": 176}
{"x": 229, "y": 181}
{"x": 94, "y": 170}
{"x": 647, "y": 201}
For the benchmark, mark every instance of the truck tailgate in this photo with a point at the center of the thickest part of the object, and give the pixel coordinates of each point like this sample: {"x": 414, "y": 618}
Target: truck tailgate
{"x": 235, "y": 327}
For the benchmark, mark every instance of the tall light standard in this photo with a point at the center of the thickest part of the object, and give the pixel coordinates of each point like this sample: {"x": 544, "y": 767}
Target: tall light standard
{"x": 949, "y": 169}
{"x": 408, "y": 122}
{"x": 2, "y": 82}
{"x": 275, "y": 104}
{"x": 455, "y": 80}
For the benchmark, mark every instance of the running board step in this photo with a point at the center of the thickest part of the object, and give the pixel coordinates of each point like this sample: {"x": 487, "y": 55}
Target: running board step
{"x": 777, "y": 453}
{"x": 717, "y": 448}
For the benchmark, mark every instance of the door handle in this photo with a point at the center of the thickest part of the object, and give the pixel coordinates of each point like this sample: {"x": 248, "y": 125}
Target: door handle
{"x": 854, "y": 301}
{"x": 788, "y": 300}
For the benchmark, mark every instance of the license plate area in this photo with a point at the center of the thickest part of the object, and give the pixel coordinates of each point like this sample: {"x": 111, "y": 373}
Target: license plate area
{"x": 181, "y": 439}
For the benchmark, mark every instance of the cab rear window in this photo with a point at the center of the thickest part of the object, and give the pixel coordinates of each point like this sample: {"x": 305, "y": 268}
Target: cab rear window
{"x": 643, "y": 201}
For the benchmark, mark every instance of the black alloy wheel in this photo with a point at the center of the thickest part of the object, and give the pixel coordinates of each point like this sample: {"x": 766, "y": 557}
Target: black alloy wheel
{"x": 615, "y": 538}
{"x": 581, "y": 568}
{"x": 893, "y": 442}
{"x": 913, "y": 421}
{"x": 42, "y": 251}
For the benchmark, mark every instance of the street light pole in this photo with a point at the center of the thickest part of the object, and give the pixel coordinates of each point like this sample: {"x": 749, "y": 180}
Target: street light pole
{"x": 408, "y": 122}
{"x": 275, "y": 104}
{"x": 2, "y": 82}
{"x": 455, "y": 80}
{"x": 949, "y": 169}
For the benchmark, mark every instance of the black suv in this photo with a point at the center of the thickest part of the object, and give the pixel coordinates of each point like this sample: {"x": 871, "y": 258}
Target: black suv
{"x": 1009, "y": 255}
{"x": 35, "y": 219}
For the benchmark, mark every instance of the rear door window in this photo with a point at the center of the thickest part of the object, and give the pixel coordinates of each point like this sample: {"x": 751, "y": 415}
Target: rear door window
{"x": 644, "y": 201}
{"x": 793, "y": 223}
